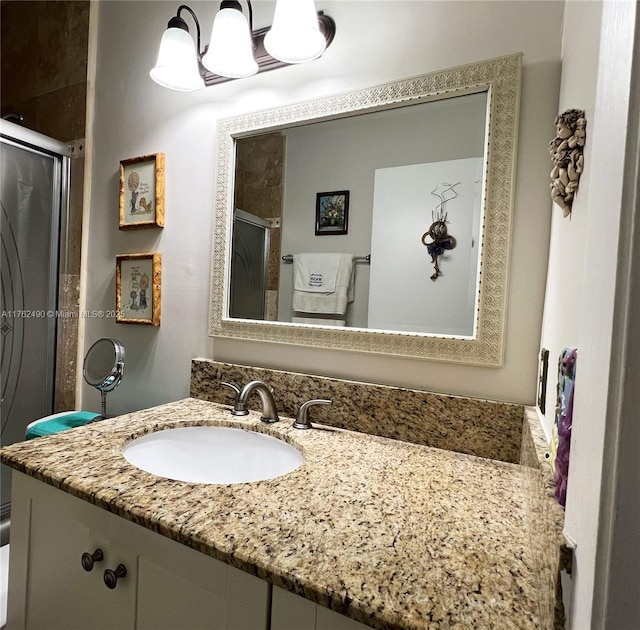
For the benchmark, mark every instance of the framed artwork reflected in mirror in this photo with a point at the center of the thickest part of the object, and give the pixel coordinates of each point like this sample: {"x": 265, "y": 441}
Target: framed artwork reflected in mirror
{"x": 332, "y": 212}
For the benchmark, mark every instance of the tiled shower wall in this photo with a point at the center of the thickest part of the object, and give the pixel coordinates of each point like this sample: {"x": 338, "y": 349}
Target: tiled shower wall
{"x": 44, "y": 65}
{"x": 44, "y": 48}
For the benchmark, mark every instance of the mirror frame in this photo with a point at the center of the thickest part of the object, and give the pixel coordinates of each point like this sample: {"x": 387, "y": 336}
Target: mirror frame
{"x": 501, "y": 79}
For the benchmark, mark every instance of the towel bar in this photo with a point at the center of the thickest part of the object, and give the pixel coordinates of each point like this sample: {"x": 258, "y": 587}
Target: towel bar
{"x": 288, "y": 259}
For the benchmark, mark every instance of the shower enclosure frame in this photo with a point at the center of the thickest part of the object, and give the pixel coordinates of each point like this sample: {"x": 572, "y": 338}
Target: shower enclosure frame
{"x": 16, "y": 136}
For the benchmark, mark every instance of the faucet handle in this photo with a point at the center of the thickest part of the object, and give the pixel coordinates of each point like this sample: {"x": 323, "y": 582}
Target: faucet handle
{"x": 236, "y": 399}
{"x": 302, "y": 419}
{"x": 235, "y": 388}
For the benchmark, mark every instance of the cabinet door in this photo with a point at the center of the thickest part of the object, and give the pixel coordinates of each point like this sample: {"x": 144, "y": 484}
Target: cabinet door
{"x": 114, "y": 608}
{"x": 59, "y": 592}
{"x": 292, "y": 612}
{"x": 330, "y": 620}
{"x": 182, "y": 588}
{"x": 167, "y": 585}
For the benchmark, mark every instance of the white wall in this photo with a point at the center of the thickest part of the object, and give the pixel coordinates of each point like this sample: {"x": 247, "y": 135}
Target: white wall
{"x": 562, "y": 324}
{"x": 133, "y": 116}
{"x": 402, "y": 295}
{"x": 562, "y": 321}
{"x": 581, "y": 287}
{"x": 594, "y": 360}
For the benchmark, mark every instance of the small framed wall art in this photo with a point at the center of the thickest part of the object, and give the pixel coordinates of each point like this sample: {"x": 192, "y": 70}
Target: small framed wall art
{"x": 138, "y": 281}
{"x": 332, "y": 212}
{"x": 142, "y": 192}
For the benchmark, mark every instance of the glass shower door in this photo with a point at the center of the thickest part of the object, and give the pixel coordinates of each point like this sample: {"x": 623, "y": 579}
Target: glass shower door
{"x": 32, "y": 190}
{"x": 250, "y": 252}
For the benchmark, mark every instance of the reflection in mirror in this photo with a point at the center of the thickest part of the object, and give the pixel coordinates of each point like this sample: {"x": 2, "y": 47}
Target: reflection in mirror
{"x": 394, "y": 163}
{"x": 250, "y": 252}
{"x": 440, "y": 147}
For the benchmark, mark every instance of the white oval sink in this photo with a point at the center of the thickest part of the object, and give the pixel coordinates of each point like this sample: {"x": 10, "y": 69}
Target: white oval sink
{"x": 206, "y": 454}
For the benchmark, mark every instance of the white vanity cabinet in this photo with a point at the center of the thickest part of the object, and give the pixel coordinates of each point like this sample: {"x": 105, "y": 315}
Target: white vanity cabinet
{"x": 292, "y": 612}
{"x": 167, "y": 585}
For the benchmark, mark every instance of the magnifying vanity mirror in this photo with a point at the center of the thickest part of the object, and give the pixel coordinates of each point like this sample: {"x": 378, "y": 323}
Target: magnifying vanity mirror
{"x": 103, "y": 368}
{"x": 423, "y": 170}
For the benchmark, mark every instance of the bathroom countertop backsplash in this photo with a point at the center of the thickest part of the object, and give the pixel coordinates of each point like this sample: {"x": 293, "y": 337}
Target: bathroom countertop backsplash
{"x": 467, "y": 425}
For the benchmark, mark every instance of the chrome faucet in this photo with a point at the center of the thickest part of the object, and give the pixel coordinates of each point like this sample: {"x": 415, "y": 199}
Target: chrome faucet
{"x": 269, "y": 413}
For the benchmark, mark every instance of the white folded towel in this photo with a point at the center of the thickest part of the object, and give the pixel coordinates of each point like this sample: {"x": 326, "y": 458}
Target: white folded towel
{"x": 319, "y": 321}
{"x": 323, "y": 283}
{"x": 316, "y": 272}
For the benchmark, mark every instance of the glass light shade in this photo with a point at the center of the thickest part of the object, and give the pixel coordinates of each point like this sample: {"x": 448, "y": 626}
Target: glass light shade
{"x": 177, "y": 65}
{"x": 230, "y": 51}
{"x": 295, "y": 36}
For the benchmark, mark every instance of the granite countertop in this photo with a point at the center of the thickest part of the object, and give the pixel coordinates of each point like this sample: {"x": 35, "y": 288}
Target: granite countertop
{"x": 390, "y": 533}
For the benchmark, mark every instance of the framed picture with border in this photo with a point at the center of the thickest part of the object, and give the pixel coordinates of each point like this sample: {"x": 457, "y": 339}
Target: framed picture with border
{"x": 332, "y": 212}
{"x": 142, "y": 192}
{"x": 138, "y": 282}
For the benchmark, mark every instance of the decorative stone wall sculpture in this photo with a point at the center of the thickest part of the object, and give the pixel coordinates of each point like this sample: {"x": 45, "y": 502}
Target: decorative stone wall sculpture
{"x": 566, "y": 151}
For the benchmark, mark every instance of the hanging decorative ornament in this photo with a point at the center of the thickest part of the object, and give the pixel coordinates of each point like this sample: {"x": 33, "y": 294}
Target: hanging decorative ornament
{"x": 440, "y": 243}
{"x": 567, "y": 155}
{"x": 441, "y": 240}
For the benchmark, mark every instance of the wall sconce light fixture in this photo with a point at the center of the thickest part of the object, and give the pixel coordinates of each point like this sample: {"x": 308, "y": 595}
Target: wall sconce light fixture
{"x": 235, "y": 51}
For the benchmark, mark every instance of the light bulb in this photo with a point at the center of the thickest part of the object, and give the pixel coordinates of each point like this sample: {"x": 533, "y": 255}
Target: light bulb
{"x": 230, "y": 51}
{"x": 177, "y": 64}
{"x": 295, "y": 36}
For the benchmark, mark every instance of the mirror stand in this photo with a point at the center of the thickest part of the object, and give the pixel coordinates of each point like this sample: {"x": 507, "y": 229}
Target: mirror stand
{"x": 103, "y": 368}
